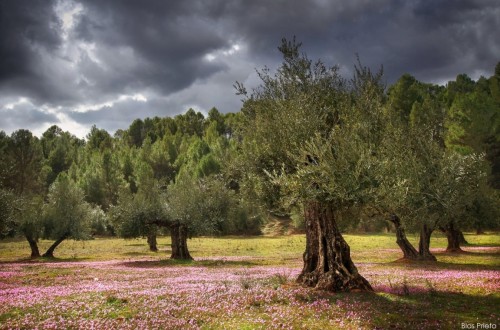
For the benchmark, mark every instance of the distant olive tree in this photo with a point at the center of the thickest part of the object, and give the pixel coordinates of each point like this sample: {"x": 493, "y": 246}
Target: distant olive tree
{"x": 140, "y": 214}
{"x": 198, "y": 206}
{"x": 187, "y": 207}
{"x": 66, "y": 214}
{"x": 422, "y": 185}
{"x": 27, "y": 220}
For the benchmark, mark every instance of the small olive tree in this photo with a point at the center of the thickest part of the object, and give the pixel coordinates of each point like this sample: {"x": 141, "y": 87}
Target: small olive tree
{"x": 140, "y": 214}
{"x": 66, "y": 214}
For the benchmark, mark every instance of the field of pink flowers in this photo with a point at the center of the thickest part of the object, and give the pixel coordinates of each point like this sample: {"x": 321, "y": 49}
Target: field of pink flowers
{"x": 241, "y": 293}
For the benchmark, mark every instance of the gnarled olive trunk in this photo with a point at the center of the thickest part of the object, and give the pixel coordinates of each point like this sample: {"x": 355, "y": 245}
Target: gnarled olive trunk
{"x": 327, "y": 261}
{"x": 424, "y": 251}
{"x": 454, "y": 237}
{"x": 462, "y": 239}
{"x": 409, "y": 252}
{"x": 35, "y": 252}
{"x": 179, "y": 235}
{"x": 50, "y": 251}
{"x": 153, "y": 244}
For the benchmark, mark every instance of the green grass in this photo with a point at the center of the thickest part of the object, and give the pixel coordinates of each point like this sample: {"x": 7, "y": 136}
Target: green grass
{"x": 274, "y": 250}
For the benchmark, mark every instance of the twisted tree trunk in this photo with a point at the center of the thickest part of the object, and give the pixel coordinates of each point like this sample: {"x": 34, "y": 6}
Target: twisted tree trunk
{"x": 409, "y": 252}
{"x": 35, "y": 252}
{"x": 153, "y": 244}
{"x": 50, "y": 251}
{"x": 327, "y": 261}
{"x": 463, "y": 241}
{"x": 454, "y": 237}
{"x": 179, "y": 235}
{"x": 424, "y": 244}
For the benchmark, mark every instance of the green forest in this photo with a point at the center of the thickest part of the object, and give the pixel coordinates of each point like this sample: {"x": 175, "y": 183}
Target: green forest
{"x": 334, "y": 154}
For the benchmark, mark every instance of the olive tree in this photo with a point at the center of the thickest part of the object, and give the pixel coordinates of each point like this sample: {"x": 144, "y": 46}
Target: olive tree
{"x": 66, "y": 214}
{"x": 308, "y": 141}
{"x": 140, "y": 214}
{"x": 423, "y": 186}
{"x": 187, "y": 207}
{"x": 197, "y": 206}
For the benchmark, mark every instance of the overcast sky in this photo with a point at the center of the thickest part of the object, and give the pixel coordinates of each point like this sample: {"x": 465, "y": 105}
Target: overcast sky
{"x": 79, "y": 63}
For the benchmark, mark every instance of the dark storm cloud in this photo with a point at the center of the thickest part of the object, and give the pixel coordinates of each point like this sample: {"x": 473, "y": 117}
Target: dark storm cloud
{"x": 26, "y": 29}
{"x": 181, "y": 53}
{"x": 168, "y": 41}
{"x": 24, "y": 26}
{"x": 433, "y": 40}
{"x": 436, "y": 40}
{"x": 136, "y": 45}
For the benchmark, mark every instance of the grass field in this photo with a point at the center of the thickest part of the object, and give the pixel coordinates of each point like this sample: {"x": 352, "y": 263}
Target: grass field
{"x": 244, "y": 283}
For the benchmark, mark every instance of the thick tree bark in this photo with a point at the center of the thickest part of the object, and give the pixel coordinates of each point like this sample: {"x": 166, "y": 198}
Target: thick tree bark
{"x": 327, "y": 261}
{"x": 454, "y": 237}
{"x": 424, "y": 244}
{"x": 409, "y": 252}
{"x": 463, "y": 241}
{"x": 50, "y": 251}
{"x": 35, "y": 252}
{"x": 153, "y": 245}
{"x": 178, "y": 234}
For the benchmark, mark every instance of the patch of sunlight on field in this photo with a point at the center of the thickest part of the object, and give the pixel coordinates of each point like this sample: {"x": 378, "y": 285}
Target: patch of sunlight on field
{"x": 270, "y": 250}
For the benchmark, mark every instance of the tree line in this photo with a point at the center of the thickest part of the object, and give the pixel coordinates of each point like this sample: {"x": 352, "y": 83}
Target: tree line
{"x": 307, "y": 141}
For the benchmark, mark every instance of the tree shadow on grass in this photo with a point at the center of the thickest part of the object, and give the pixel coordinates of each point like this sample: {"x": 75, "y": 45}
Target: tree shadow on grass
{"x": 469, "y": 253}
{"x": 466, "y": 266}
{"x": 191, "y": 263}
{"x": 137, "y": 254}
{"x": 423, "y": 310}
{"x": 489, "y": 245}
{"x": 458, "y": 265}
{"x": 440, "y": 265}
{"x": 239, "y": 237}
{"x": 43, "y": 260}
